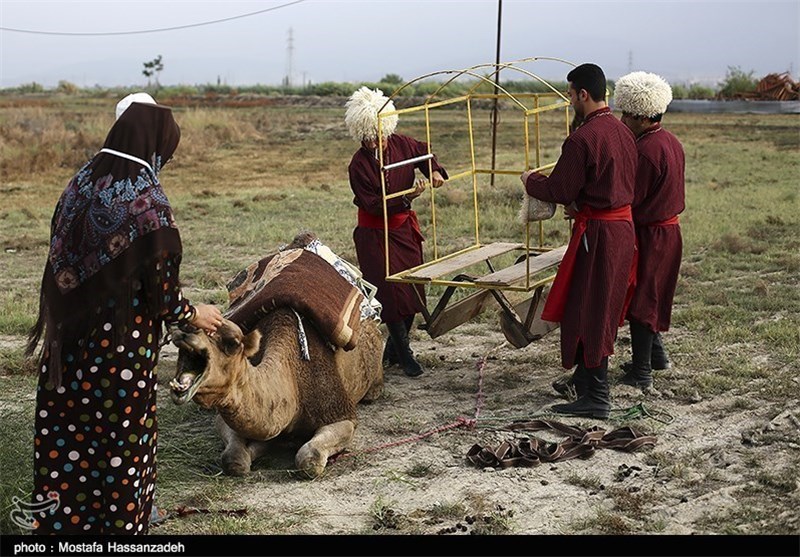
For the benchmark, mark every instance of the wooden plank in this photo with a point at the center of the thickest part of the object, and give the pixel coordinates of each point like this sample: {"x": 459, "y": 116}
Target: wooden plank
{"x": 457, "y": 313}
{"x": 519, "y": 271}
{"x": 449, "y": 266}
{"x": 514, "y": 329}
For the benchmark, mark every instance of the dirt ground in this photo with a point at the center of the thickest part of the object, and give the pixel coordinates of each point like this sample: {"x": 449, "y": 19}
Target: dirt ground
{"x": 408, "y": 472}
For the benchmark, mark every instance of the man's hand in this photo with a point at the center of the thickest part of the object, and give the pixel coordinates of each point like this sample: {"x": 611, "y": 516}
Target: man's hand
{"x": 419, "y": 187}
{"x": 437, "y": 179}
{"x": 570, "y": 211}
{"x": 524, "y": 176}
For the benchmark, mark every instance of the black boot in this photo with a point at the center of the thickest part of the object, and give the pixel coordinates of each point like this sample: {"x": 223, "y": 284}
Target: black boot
{"x": 389, "y": 354}
{"x": 399, "y": 336}
{"x": 595, "y": 403}
{"x": 640, "y": 373}
{"x": 565, "y": 386}
{"x": 574, "y": 386}
{"x": 658, "y": 357}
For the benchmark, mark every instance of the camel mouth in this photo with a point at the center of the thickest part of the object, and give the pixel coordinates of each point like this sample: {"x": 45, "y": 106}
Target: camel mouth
{"x": 191, "y": 369}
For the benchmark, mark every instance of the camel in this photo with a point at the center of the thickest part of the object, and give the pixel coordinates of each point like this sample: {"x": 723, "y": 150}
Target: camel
{"x": 262, "y": 388}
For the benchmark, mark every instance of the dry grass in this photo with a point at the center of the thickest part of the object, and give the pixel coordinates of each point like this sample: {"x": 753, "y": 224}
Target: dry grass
{"x": 245, "y": 180}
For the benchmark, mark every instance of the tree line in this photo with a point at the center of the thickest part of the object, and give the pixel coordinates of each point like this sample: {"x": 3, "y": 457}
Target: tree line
{"x": 737, "y": 82}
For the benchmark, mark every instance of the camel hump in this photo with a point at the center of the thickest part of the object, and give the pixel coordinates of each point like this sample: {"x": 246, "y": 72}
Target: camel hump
{"x": 309, "y": 278}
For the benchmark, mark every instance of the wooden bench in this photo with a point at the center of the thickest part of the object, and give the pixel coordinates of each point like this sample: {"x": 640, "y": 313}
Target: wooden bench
{"x": 521, "y": 323}
{"x": 520, "y": 271}
{"x": 450, "y": 265}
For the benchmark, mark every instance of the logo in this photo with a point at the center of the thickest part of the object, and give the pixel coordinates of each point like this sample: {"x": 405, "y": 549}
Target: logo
{"x": 23, "y": 513}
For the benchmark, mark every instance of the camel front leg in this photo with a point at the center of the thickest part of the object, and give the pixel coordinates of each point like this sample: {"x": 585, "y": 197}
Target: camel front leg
{"x": 328, "y": 440}
{"x": 236, "y": 457}
{"x": 258, "y": 448}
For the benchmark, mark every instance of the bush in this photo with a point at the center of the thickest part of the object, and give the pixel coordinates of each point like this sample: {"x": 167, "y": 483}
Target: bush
{"x": 679, "y": 91}
{"x": 179, "y": 91}
{"x": 698, "y": 91}
{"x": 737, "y": 83}
{"x": 694, "y": 91}
{"x": 31, "y": 87}
{"x": 392, "y": 78}
{"x": 67, "y": 88}
{"x": 332, "y": 88}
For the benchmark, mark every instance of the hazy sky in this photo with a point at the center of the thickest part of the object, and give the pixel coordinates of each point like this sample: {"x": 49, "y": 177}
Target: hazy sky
{"x": 685, "y": 41}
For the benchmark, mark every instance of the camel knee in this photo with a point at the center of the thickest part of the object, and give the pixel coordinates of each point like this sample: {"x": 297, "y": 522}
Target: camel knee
{"x": 236, "y": 458}
{"x": 311, "y": 461}
{"x": 328, "y": 440}
{"x": 374, "y": 392}
{"x": 236, "y": 461}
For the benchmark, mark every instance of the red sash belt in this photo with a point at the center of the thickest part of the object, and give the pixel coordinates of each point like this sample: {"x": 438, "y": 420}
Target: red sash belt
{"x": 669, "y": 222}
{"x": 368, "y": 220}
{"x": 557, "y": 298}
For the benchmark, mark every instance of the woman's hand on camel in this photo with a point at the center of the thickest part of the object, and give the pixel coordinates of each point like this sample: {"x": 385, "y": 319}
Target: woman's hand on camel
{"x": 207, "y": 317}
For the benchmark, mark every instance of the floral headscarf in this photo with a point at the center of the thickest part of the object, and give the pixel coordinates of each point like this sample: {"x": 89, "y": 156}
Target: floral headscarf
{"x": 111, "y": 220}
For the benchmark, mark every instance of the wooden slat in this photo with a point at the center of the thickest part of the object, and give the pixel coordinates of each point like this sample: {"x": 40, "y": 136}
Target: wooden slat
{"x": 462, "y": 261}
{"x": 458, "y": 313}
{"x": 514, "y": 329}
{"x": 519, "y": 271}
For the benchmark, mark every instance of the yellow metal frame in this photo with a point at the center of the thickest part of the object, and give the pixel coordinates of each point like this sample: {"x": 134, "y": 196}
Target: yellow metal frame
{"x": 431, "y": 102}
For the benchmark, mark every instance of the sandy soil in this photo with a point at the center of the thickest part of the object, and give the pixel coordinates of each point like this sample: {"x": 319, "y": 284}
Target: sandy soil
{"x": 408, "y": 471}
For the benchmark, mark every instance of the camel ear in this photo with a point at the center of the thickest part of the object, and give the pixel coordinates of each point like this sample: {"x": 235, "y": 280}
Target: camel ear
{"x": 251, "y": 342}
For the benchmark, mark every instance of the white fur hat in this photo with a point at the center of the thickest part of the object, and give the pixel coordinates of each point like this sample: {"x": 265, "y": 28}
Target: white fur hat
{"x": 123, "y": 105}
{"x": 362, "y": 114}
{"x": 642, "y": 94}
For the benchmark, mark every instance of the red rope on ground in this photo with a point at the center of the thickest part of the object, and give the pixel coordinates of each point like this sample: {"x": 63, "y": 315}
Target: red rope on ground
{"x": 479, "y": 398}
{"x": 460, "y": 421}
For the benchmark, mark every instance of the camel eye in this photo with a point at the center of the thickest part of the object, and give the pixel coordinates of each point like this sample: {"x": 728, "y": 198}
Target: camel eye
{"x": 229, "y": 344}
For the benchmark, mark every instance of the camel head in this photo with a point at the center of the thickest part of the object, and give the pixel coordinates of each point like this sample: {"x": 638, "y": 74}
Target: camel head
{"x": 208, "y": 365}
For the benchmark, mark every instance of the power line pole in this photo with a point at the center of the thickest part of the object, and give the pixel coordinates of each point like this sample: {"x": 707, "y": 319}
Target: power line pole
{"x": 287, "y": 80}
{"x": 495, "y": 114}
{"x": 630, "y": 61}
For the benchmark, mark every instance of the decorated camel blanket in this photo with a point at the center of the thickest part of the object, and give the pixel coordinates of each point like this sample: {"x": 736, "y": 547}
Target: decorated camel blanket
{"x": 304, "y": 281}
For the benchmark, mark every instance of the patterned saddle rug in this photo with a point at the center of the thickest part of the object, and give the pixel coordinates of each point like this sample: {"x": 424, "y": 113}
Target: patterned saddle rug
{"x": 302, "y": 280}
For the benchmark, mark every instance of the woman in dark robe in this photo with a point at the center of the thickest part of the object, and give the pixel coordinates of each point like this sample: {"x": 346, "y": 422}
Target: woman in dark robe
{"x": 401, "y": 302}
{"x": 110, "y": 282}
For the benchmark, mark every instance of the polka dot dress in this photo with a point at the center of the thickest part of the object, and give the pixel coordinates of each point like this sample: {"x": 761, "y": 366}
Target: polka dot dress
{"x": 95, "y": 440}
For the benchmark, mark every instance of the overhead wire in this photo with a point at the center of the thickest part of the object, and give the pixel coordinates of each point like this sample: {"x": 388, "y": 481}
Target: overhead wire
{"x": 174, "y": 28}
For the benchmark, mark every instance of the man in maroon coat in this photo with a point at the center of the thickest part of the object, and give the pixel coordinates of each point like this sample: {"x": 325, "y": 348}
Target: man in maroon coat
{"x": 594, "y": 179}
{"x": 401, "y": 302}
{"x": 658, "y": 200}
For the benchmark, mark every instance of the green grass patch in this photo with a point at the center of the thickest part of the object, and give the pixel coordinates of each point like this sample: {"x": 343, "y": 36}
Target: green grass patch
{"x": 245, "y": 180}
{"x": 16, "y": 433}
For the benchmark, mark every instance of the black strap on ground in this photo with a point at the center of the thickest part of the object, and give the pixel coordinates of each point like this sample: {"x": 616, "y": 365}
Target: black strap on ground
{"x": 579, "y": 443}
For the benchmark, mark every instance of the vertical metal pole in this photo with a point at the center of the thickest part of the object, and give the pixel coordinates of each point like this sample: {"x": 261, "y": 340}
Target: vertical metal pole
{"x": 496, "y": 83}
{"x": 383, "y": 196}
{"x": 430, "y": 174}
